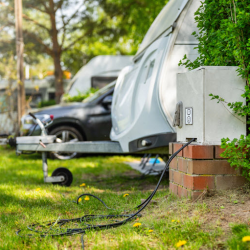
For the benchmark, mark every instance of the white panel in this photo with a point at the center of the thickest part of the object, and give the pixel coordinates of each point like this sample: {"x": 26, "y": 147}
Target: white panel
{"x": 122, "y": 99}
{"x": 188, "y": 25}
{"x": 168, "y": 77}
{"x": 211, "y": 120}
{"x": 220, "y": 121}
{"x": 190, "y": 92}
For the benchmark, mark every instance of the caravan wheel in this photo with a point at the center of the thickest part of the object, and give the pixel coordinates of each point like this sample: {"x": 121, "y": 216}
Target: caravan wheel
{"x": 68, "y": 177}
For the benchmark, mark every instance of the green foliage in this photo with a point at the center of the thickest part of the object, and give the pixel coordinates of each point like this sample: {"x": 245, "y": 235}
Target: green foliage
{"x": 121, "y": 27}
{"x": 238, "y": 154}
{"x": 224, "y": 35}
{"x": 235, "y": 242}
{"x": 80, "y": 96}
{"x": 132, "y": 18}
{"x": 224, "y": 39}
{"x": 46, "y": 103}
{"x": 237, "y": 107}
{"x": 85, "y": 29}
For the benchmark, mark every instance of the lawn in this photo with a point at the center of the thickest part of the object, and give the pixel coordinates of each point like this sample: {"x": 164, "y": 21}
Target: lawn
{"x": 26, "y": 199}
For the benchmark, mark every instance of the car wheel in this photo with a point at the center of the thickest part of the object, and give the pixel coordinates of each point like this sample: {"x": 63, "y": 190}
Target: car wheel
{"x": 66, "y": 134}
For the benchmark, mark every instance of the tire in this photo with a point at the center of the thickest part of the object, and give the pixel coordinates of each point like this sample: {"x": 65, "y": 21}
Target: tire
{"x": 67, "y": 175}
{"x": 66, "y": 134}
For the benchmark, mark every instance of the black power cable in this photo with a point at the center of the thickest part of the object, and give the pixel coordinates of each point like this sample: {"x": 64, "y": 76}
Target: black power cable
{"x": 50, "y": 231}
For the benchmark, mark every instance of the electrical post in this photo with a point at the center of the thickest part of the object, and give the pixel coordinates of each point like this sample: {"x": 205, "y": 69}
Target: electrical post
{"x": 20, "y": 69}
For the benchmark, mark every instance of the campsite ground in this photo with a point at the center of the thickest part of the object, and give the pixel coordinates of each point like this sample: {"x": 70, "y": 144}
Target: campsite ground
{"x": 218, "y": 221}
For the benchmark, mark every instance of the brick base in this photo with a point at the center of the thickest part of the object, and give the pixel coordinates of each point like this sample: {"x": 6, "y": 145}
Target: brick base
{"x": 200, "y": 167}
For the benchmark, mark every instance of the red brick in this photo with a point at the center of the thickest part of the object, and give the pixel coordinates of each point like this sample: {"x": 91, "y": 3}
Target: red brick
{"x": 209, "y": 167}
{"x": 177, "y": 146}
{"x": 173, "y": 163}
{"x": 170, "y": 148}
{"x": 171, "y": 175}
{"x": 198, "y": 182}
{"x": 182, "y": 164}
{"x": 195, "y": 194}
{"x": 188, "y": 181}
{"x": 218, "y": 151}
{"x": 179, "y": 192}
{"x": 185, "y": 193}
{"x": 173, "y": 188}
{"x": 178, "y": 177}
{"x": 199, "y": 152}
{"x": 203, "y": 182}
{"x": 228, "y": 182}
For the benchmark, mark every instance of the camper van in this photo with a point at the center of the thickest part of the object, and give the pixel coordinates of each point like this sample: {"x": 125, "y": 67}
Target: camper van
{"x": 97, "y": 73}
{"x": 144, "y": 99}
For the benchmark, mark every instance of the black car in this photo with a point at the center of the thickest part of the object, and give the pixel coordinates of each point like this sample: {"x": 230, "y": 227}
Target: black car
{"x": 89, "y": 120}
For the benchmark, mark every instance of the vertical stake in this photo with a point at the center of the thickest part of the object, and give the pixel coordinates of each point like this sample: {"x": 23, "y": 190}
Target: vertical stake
{"x": 20, "y": 69}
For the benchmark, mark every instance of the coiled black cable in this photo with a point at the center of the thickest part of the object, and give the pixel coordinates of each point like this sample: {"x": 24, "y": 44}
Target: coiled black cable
{"x": 87, "y": 218}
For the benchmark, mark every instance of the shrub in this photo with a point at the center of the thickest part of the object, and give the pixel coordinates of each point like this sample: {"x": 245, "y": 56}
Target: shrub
{"x": 79, "y": 97}
{"x": 46, "y": 103}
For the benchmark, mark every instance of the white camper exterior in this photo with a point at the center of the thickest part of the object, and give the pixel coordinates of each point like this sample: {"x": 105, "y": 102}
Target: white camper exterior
{"x": 145, "y": 94}
{"x": 97, "y": 72}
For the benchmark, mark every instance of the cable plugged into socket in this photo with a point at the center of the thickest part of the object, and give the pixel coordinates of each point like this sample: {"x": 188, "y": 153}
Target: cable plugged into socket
{"x": 193, "y": 139}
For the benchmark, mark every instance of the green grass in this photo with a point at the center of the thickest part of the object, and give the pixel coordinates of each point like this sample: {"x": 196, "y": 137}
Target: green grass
{"x": 21, "y": 204}
{"x": 238, "y": 232}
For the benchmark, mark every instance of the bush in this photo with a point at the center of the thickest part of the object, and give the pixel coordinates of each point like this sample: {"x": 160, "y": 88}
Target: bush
{"x": 79, "y": 97}
{"x": 46, "y": 103}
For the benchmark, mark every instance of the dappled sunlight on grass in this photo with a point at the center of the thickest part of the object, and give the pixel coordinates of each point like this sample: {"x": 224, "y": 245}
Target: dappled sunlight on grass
{"x": 26, "y": 199}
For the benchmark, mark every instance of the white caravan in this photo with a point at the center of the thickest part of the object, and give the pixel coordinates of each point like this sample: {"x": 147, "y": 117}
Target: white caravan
{"x": 98, "y": 72}
{"x": 145, "y": 94}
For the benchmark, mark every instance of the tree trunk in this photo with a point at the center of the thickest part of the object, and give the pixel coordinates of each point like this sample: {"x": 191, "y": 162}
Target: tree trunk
{"x": 20, "y": 71}
{"x": 56, "y": 53}
{"x": 58, "y": 76}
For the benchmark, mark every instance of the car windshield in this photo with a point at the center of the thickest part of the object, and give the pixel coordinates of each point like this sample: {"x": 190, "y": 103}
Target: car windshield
{"x": 100, "y": 92}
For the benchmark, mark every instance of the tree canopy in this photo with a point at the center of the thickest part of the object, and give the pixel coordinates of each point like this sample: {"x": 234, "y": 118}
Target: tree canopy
{"x": 71, "y": 32}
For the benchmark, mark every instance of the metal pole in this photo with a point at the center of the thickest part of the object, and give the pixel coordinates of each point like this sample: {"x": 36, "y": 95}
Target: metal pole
{"x": 20, "y": 69}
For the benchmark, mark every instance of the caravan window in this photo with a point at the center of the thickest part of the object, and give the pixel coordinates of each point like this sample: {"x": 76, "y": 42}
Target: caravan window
{"x": 100, "y": 92}
{"x": 101, "y": 81}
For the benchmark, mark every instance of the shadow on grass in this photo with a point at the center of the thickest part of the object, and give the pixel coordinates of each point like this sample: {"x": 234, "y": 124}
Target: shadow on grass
{"x": 100, "y": 173}
{"x": 7, "y": 199}
{"x": 128, "y": 180}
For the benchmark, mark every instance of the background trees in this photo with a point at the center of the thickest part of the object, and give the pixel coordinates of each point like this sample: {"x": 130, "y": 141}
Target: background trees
{"x": 71, "y": 32}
